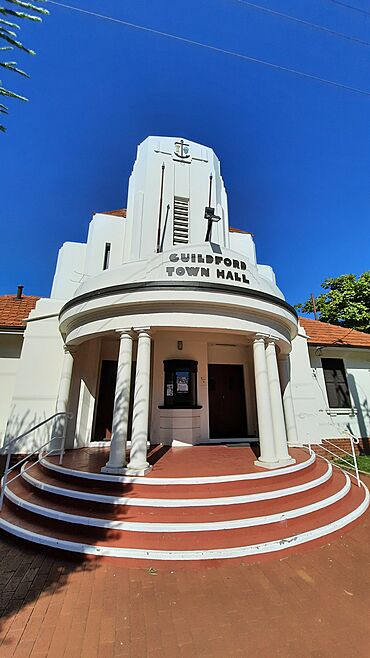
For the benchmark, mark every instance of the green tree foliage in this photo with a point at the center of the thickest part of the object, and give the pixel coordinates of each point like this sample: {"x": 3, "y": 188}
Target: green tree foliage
{"x": 346, "y": 302}
{"x": 15, "y": 10}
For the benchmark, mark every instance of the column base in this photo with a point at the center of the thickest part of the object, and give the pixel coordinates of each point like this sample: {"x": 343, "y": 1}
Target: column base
{"x": 132, "y": 470}
{"x": 113, "y": 470}
{"x": 263, "y": 464}
{"x": 125, "y": 470}
{"x": 273, "y": 465}
{"x": 286, "y": 462}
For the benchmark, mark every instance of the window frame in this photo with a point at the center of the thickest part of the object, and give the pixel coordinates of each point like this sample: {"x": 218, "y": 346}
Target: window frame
{"x": 172, "y": 372}
{"x": 107, "y": 255}
{"x": 340, "y": 388}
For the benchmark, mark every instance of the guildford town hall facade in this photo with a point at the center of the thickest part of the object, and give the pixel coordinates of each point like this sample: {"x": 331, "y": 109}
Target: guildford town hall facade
{"x": 188, "y": 391}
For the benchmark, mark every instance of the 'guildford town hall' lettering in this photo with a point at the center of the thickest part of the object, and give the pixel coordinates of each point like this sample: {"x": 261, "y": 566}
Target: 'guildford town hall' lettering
{"x": 229, "y": 269}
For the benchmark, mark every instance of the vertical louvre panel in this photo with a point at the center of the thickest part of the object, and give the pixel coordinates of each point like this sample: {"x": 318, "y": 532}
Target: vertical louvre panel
{"x": 336, "y": 383}
{"x": 180, "y": 220}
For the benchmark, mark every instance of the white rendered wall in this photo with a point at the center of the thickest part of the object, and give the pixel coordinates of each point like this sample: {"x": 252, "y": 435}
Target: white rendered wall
{"x": 191, "y": 426}
{"x": 38, "y": 376}
{"x": 78, "y": 262}
{"x": 243, "y": 243}
{"x": 303, "y": 390}
{"x": 69, "y": 271}
{"x": 104, "y": 229}
{"x": 83, "y": 393}
{"x": 178, "y": 426}
{"x": 10, "y": 352}
{"x": 333, "y": 422}
{"x": 267, "y": 272}
{"x": 186, "y": 178}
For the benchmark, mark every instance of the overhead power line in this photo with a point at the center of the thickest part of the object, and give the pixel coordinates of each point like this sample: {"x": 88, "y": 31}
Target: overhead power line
{"x": 301, "y": 21}
{"x": 348, "y": 6}
{"x": 232, "y": 53}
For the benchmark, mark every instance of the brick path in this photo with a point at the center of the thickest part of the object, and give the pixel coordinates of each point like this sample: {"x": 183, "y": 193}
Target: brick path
{"x": 315, "y": 604}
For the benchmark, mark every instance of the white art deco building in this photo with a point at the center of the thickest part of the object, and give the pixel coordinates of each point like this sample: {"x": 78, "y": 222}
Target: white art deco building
{"x": 163, "y": 329}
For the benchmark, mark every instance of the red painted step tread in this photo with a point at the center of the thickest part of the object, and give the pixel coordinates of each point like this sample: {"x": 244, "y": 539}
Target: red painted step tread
{"x": 173, "y": 515}
{"x": 194, "y": 461}
{"x": 185, "y": 491}
{"x": 185, "y": 541}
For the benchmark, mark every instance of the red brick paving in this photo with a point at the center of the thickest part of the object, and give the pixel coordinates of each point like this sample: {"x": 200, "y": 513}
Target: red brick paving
{"x": 314, "y": 604}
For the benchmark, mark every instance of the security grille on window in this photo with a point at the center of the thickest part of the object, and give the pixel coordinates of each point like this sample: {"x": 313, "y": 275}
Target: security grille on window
{"x": 180, "y": 220}
{"x": 336, "y": 383}
{"x": 180, "y": 383}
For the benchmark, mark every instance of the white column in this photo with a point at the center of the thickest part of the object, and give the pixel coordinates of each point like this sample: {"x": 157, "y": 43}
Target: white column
{"x": 138, "y": 464}
{"x": 63, "y": 396}
{"x": 280, "y": 437}
{"x": 286, "y": 385}
{"x": 65, "y": 379}
{"x": 267, "y": 457}
{"x": 117, "y": 454}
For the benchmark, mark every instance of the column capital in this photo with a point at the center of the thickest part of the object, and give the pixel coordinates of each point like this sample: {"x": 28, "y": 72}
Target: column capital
{"x": 260, "y": 337}
{"x": 142, "y": 331}
{"x": 272, "y": 339}
{"x": 69, "y": 349}
{"x": 124, "y": 333}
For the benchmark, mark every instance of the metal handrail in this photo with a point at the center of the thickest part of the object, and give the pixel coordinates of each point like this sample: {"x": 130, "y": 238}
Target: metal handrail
{"x": 36, "y": 427}
{"x": 354, "y": 441}
{"x": 7, "y": 470}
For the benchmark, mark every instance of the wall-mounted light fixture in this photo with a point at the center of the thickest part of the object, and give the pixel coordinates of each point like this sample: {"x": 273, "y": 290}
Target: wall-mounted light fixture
{"x": 179, "y": 345}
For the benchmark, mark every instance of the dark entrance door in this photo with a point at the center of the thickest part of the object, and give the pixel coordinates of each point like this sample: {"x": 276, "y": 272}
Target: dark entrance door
{"x": 104, "y": 411}
{"x": 227, "y": 412}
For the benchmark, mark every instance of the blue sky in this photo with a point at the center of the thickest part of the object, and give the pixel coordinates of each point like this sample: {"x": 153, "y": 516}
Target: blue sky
{"x": 295, "y": 153}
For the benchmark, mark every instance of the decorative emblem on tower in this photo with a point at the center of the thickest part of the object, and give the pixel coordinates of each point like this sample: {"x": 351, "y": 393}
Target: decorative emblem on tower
{"x": 182, "y": 150}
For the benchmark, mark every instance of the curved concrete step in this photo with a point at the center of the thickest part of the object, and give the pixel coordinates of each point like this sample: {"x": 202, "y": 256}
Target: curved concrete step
{"x": 34, "y": 502}
{"x": 193, "y": 538}
{"x": 201, "y": 495}
{"x": 274, "y": 538}
{"x": 188, "y": 514}
{"x": 152, "y": 479}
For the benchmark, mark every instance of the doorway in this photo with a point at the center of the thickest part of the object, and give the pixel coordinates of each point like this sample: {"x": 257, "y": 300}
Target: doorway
{"x": 105, "y": 403}
{"x": 227, "y": 408}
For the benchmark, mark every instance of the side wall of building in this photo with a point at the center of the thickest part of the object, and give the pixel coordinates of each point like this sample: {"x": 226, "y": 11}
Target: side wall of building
{"x": 303, "y": 390}
{"x": 10, "y": 353}
{"x": 333, "y": 422}
{"x": 38, "y": 376}
{"x": 315, "y": 419}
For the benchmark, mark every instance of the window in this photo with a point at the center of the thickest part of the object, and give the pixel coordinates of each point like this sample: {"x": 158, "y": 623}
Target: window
{"x": 336, "y": 383}
{"x": 180, "y": 383}
{"x": 180, "y": 220}
{"x": 106, "y": 256}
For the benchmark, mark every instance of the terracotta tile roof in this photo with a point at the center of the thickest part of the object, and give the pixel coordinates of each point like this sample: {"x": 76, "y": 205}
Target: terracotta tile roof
{"x": 321, "y": 333}
{"x": 120, "y": 212}
{"x": 14, "y": 312}
{"x": 239, "y": 230}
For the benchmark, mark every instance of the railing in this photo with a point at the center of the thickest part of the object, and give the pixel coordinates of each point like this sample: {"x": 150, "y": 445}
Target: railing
{"x": 354, "y": 441}
{"x": 4, "y": 480}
